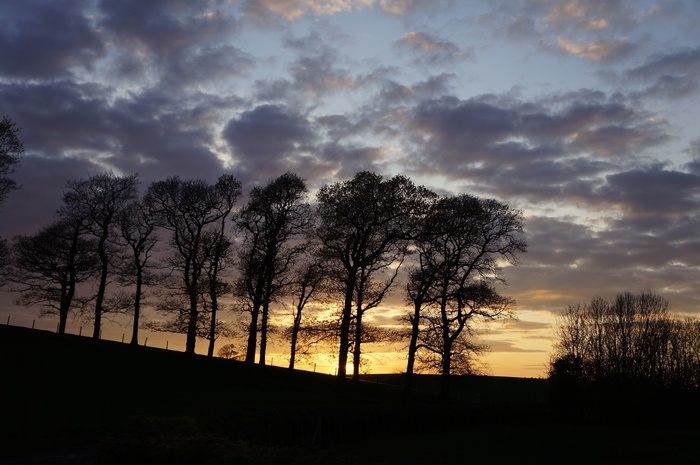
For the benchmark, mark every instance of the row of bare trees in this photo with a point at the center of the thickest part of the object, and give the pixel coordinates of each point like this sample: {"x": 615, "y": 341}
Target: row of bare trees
{"x": 629, "y": 352}
{"x": 191, "y": 244}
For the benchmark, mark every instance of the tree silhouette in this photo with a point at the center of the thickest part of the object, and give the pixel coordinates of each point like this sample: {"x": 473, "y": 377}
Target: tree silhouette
{"x": 364, "y": 225}
{"x": 188, "y": 209}
{"x": 97, "y": 201}
{"x": 273, "y": 223}
{"x": 311, "y": 277}
{"x": 459, "y": 247}
{"x": 11, "y": 149}
{"x": 49, "y": 265}
{"x": 627, "y": 358}
{"x": 138, "y": 230}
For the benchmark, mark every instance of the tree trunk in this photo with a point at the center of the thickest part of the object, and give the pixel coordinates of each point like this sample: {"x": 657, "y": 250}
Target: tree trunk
{"x": 99, "y": 300}
{"x": 412, "y": 348}
{"x": 192, "y": 325}
{"x": 137, "y": 308}
{"x": 345, "y": 330}
{"x": 357, "y": 353}
{"x": 446, "y": 361}
{"x": 62, "y": 319}
{"x": 295, "y": 336}
{"x": 445, "y": 378}
{"x": 263, "y": 332}
{"x": 252, "y": 334}
{"x": 212, "y": 327}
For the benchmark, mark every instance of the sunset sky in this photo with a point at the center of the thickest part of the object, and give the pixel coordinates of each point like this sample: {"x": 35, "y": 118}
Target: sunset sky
{"x": 584, "y": 114}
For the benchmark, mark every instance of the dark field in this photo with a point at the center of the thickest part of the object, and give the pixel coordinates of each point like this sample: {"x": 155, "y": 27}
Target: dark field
{"x": 69, "y": 400}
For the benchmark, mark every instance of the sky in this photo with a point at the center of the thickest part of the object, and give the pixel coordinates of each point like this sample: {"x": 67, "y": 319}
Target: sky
{"x": 583, "y": 114}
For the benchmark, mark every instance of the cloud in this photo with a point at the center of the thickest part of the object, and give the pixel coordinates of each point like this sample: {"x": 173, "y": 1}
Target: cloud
{"x": 146, "y": 133}
{"x": 406, "y": 7}
{"x": 469, "y": 135}
{"x": 561, "y": 150}
{"x": 671, "y": 74}
{"x": 653, "y": 191}
{"x": 207, "y": 65}
{"x": 598, "y": 50}
{"x": 268, "y": 140}
{"x": 316, "y": 74}
{"x": 393, "y": 92}
{"x": 352, "y": 159}
{"x": 47, "y": 40}
{"x": 171, "y": 43}
{"x": 430, "y": 50}
{"x": 291, "y": 10}
{"x": 165, "y": 26}
{"x": 505, "y": 346}
{"x": 521, "y": 27}
{"x": 585, "y": 15}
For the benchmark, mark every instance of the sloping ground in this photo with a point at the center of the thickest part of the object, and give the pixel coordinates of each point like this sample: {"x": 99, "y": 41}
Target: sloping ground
{"x": 70, "y": 400}
{"x": 67, "y": 389}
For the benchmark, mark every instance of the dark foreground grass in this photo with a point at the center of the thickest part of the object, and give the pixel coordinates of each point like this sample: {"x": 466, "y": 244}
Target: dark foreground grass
{"x": 543, "y": 443}
{"x": 77, "y": 401}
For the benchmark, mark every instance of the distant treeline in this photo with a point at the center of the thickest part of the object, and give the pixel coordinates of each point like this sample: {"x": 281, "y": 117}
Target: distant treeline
{"x": 627, "y": 360}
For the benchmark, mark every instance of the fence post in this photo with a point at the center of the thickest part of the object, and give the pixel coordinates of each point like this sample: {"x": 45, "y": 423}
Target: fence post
{"x": 33, "y": 323}
{"x": 80, "y": 332}
{"x": 8, "y": 320}
{"x": 166, "y": 345}
{"x": 122, "y": 338}
{"x": 145, "y": 343}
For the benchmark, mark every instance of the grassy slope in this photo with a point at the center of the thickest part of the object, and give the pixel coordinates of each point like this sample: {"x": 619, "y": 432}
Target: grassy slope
{"x": 144, "y": 405}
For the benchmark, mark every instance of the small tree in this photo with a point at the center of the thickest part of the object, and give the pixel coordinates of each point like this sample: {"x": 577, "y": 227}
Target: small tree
{"x": 49, "y": 265}
{"x": 228, "y": 352}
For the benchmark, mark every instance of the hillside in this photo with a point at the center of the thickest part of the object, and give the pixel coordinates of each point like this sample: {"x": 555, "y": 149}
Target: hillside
{"x": 72, "y": 388}
{"x": 105, "y": 402}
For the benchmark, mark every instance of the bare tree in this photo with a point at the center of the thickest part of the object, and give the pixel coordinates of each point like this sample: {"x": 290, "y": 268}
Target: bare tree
{"x": 311, "y": 277}
{"x": 11, "y": 149}
{"x": 138, "y": 230}
{"x": 364, "y": 224}
{"x": 228, "y": 352}
{"x": 459, "y": 252}
{"x": 48, "y": 267}
{"x": 274, "y": 223}
{"x": 97, "y": 200}
{"x": 218, "y": 248}
{"x": 188, "y": 209}
{"x": 369, "y": 293}
{"x": 627, "y": 358}
{"x": 420, "y": 281}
